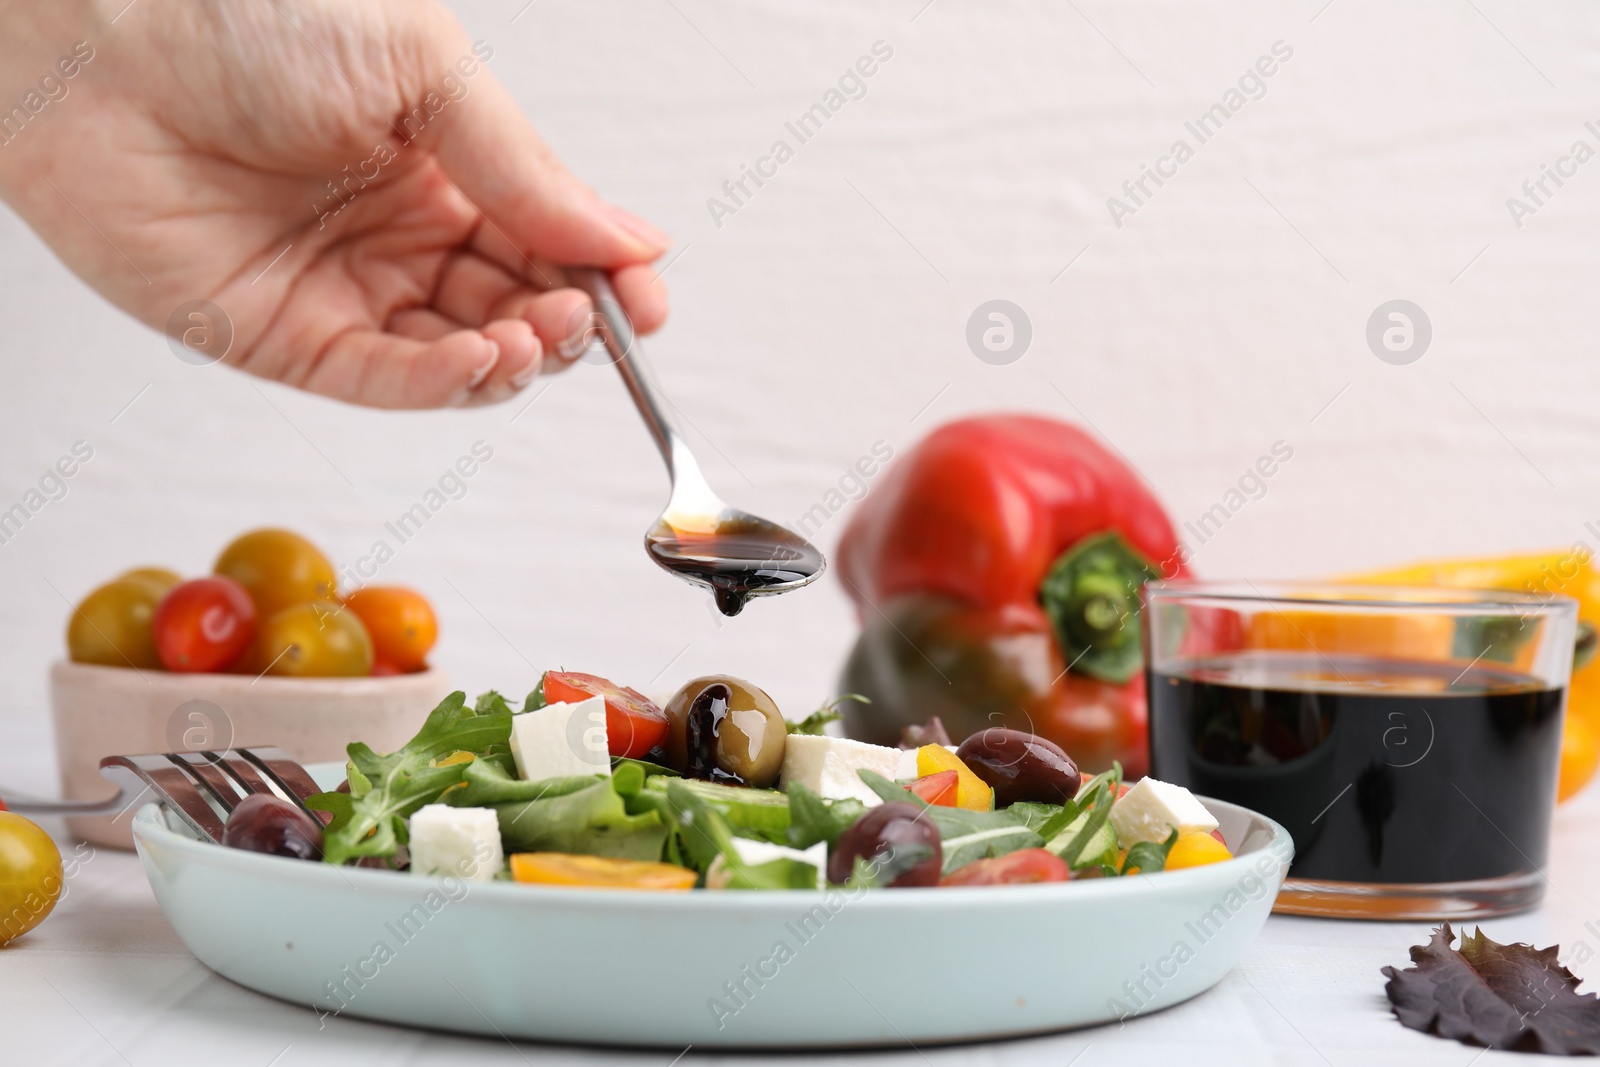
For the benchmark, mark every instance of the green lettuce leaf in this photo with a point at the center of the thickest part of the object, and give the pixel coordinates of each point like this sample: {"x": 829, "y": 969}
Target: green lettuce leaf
{"x": 706, "y": 839}
{"x": 487, "y": 784}
{"x": 593, "y": 820}
{"x": 762, "y": 813}
{"x": 816, "y": 724}
{"x": 1149, "y": 856}
{"x": 386, "y": 790}
{"x": 964, "y": 835}
{"x": 812, "y": 819}
{"x": 1039, "y": 815}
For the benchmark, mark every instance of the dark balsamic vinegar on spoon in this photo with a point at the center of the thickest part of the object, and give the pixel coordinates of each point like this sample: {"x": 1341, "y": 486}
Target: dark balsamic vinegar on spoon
{"x": 741, "y": 557}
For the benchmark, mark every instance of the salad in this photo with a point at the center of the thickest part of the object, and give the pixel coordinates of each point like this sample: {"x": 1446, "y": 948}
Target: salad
{"x": 592, "y": 784}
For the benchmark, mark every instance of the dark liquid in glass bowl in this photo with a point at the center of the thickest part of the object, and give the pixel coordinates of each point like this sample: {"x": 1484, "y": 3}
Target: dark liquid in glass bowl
{"x": 1383, "y": 771}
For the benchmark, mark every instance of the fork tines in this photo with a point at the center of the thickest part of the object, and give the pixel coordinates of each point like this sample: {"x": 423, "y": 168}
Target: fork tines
{"x": 203, "y": 787}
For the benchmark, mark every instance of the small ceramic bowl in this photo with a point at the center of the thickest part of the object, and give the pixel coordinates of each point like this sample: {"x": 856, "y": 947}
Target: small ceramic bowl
{"x": 110, "y": 711}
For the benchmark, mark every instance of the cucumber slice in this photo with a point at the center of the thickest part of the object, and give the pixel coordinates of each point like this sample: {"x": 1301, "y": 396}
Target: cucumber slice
{"x": 1104, "y": 839}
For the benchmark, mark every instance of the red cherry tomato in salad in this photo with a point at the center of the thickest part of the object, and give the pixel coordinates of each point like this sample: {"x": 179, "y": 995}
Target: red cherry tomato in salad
{"x": 204, "y": 624}
{"x": 634, "y": 724}
{"x": 1014, "y": 868}
{"x": 939, "y": 788}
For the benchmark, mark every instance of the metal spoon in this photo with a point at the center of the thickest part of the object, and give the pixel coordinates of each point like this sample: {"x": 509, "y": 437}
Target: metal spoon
{"x": 698, "y": 537}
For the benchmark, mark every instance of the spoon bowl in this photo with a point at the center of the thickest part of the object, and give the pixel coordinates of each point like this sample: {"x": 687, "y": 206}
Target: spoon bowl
{"x": 698, "y": 537}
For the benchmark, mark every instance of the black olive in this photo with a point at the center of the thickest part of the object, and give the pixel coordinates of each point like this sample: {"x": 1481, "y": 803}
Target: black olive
{"x": 897, "y": 839}
{"x": 1020, "y": 766}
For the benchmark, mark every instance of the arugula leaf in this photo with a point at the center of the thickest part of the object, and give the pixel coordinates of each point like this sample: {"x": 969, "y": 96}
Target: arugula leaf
{"x": 1038, "y": 815}
{"x": 1065, "y": 816}
{"x": 817, "y": 722}
{"x": 1096, "y": 799}
{"x": 762, "y": 813}
{"x": 1511, "y": 997}
{"x": 396, "y": 785}
{"x": 812, "y": 819}
{"x": 702, "y": 833}
{"x": 964, "y": 835}
{"x": 536, "y": 699}
{"x": 340, "y": 805}
{"x": 593, "y": 820}
{"x": 1148, "y": 857}
{"x": 707, "y": 840}
{"x": 1098, "y": 809}
{"x": 782, "y": 873}
{"x": 486, "y": 784}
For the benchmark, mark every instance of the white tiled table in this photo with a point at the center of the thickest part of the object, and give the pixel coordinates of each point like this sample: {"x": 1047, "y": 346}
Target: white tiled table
{"x": 106, "y": 981}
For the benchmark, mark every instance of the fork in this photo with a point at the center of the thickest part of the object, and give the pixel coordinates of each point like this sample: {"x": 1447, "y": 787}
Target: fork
{"x": 201, "y": 788}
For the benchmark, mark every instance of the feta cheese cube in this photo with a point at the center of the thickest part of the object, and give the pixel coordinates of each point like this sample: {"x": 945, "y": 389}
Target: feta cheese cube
{"x": 1151, "y": 810}
{"x": 561, "y": 740}
{"x": 459, "y": 842}
{"x": 827, "y": 766}
{"x": 908, "y": 764}
{"x": 755, "y": 853}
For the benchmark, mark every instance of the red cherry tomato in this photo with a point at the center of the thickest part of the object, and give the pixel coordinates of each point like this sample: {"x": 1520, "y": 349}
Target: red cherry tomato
{"x": 204, "y": 624}
{"x": 634, "y": 724}
{"x": 938, "y": 788}
{"x": 1014, "y": 868}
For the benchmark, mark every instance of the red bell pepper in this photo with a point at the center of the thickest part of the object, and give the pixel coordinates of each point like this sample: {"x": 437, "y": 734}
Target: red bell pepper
{"x": 996, "y": 569}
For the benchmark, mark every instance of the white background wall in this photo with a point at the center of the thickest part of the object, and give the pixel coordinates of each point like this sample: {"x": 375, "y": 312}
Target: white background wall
{"x": 830, "y": 313}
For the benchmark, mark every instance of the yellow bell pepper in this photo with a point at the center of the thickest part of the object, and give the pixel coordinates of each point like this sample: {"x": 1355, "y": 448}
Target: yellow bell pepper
{"x": 1546, "y": 574}
{"x": 972, "y": 792}
{"x": 597, "y": 872}
{"x": 1196, "y": 850}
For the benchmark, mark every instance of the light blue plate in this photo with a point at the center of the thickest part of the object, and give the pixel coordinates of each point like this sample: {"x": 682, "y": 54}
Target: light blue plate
{"x": 775, "y": 969}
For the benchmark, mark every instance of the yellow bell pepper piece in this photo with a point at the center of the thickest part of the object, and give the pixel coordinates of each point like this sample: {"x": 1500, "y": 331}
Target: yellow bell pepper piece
{"x": 972, "y": 792}
{"x": 1569, "y": 572}
{"x": 597, "y": 872}
{"x": 1196, "y": 850}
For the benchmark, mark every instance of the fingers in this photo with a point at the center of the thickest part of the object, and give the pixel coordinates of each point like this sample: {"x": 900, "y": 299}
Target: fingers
{"x": 389, "y": 370}
{"x": 492, "y": 153}
{"x": 643, "y": 295}
{"x": 473, "y": 291}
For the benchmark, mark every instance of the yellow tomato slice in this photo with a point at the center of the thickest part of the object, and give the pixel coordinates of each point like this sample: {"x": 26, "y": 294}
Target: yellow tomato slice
{"x": 597, "y": 872}
{"x": 972, "y": 792}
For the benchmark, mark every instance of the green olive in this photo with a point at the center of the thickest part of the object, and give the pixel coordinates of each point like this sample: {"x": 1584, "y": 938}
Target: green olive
{"x": 725, "y": 730}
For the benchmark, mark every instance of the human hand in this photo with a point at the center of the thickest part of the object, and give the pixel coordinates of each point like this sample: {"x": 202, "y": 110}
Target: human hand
{"x": 345, "y": 179}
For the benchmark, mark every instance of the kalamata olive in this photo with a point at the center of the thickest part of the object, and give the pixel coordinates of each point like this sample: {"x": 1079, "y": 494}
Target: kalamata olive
{"x": 897, "y": 840}
{"x": 265, "y": 823}
{"x": 724, "y": 729}
{"x": 1020, "y": 766}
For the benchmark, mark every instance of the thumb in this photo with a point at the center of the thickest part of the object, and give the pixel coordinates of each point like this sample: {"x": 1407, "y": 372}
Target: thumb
{"x": 493, "y": 155}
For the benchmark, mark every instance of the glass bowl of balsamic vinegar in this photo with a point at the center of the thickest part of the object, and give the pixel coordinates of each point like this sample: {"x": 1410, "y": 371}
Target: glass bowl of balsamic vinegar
{"x": 1408, "y": 738}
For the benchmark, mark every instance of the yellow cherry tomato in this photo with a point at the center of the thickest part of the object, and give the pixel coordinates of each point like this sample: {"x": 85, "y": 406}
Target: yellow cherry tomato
{"x": 1196, "y": 850}
{"x": 972, "y": 792}
{"x": 400, "y": 623}
{"x": 316, "y": 640}
{"x": 278, "y": 569}
{"x": 160, "y": 576}
{"x": 111, "y": 626}
{"x": 597, "y": 872}
{"x": 30, "y": 876}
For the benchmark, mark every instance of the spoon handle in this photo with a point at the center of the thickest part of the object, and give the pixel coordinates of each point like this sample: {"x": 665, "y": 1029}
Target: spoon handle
{"x": 623, "y": 347}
